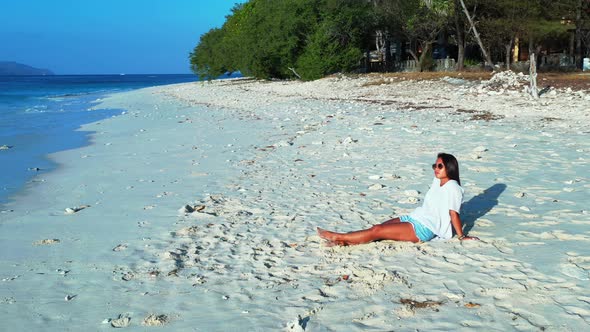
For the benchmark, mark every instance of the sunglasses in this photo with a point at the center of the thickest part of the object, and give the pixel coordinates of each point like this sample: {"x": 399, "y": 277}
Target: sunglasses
{"x": 439, "y": 166}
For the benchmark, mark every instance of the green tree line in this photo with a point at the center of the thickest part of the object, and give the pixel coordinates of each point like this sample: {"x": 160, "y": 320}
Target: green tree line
{"x": 309, "y": 39}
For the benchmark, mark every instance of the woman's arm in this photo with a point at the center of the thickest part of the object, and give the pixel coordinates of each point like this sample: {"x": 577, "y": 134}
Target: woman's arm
{"x": 458, "y": 226}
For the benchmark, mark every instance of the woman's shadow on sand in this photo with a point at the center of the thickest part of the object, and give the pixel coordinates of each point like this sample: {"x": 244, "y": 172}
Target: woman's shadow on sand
{"x": 479, "y": 205}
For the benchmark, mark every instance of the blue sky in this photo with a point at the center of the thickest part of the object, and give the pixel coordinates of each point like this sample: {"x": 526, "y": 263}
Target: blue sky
{"x": 107, "y": 36}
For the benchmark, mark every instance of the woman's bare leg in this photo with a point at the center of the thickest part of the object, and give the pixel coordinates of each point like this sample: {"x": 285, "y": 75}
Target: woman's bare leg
{"x": 325, "y": 234}
{"x": 385, "y": 231}
{"x": 391, "y": 221}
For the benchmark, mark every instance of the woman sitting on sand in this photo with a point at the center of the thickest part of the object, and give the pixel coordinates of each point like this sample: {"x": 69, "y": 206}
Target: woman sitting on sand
{"x": 434, "y": 218}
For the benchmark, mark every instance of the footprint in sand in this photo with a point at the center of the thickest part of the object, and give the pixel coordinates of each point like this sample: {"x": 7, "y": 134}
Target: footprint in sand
{"x": 575, "y": 272}
{"x": 576, "y": 267}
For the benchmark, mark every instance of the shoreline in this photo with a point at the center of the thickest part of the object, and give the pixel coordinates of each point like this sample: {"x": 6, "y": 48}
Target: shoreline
{"x": 42, "y": 115}
{"x": 338, "y": 153}
{"x": 28, "y": 156}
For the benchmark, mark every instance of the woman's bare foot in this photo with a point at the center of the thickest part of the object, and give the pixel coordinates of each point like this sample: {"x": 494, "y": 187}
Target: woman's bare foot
{"x": 330, "y": 243}
{"x": 327, "y": 235}
{"x": 330, "y": 237}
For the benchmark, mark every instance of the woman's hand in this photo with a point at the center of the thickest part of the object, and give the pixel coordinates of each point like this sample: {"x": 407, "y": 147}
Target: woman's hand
{"x": 463, "y": 238}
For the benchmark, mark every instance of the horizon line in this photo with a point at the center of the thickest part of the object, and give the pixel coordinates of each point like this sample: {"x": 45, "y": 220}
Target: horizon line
{"x": 112, "y": 74}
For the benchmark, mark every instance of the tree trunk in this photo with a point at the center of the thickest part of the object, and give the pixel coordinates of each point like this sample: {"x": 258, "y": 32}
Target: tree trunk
{"x": 486, "y": 56}
{"x": 367, "y": 60}
{"x": 461, "y": 57}
{"x": 508, "y": 53}
{"x": 379, "y": 43}
{"x": 533, "y": 76}
{"x": 425, "y": 52}
{"x": 388, "y": 60}
{"x": 460, "y": 33}
{"x": 578, "y": 58}
{"x": 515, "y": 55}
{"x": 413, "y": 54}
{"x": 572, "y": 49}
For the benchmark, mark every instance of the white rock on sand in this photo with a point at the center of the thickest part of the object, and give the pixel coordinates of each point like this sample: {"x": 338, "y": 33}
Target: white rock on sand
{"x": 122, "y": 321}
{"x": 46, "y": 242}
{"x": 155, "y": 320}
{"x": 75, "y": 209}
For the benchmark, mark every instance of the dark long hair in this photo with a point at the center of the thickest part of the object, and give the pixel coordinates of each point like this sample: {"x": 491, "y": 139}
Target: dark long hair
{"x": 452, "y": 166}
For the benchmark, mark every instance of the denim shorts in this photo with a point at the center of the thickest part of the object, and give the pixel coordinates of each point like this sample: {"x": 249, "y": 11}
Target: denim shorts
{"x": 423, "y": 233}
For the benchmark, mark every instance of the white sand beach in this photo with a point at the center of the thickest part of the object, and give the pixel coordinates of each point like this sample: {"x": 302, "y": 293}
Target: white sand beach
{"x": 196, "y": 210}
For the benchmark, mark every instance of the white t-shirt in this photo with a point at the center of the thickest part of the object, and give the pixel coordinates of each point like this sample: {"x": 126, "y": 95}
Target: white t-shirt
{"x": 434, "y": 213}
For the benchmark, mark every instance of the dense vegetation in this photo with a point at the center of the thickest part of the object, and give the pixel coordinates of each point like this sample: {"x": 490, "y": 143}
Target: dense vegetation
{"x": 312, "y": 38}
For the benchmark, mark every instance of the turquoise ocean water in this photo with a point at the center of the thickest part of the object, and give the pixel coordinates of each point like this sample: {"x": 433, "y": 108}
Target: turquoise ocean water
{"x": 39, "y": 115}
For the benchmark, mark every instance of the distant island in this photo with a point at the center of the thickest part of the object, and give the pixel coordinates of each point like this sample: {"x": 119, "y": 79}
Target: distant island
{"x": 11, "y": 68}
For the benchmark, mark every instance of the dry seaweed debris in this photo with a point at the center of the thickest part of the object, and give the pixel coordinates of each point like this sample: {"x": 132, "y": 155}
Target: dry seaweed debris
{"x": 550, "y": 119}
{"x": 481, "y": 115}
{"x": 486, "y": 116}
{"x": 412, "y": 304}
